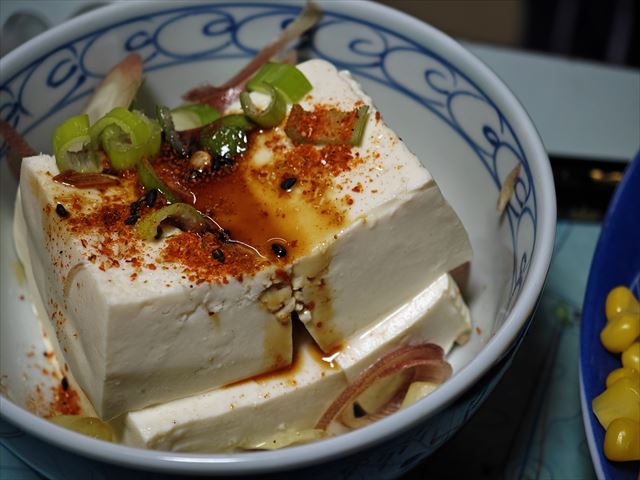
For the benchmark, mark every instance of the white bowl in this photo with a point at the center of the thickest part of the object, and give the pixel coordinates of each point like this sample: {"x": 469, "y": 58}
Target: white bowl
{"x": 450, "y": 109}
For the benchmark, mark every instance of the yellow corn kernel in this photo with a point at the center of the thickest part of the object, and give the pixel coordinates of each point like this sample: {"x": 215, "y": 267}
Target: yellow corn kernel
{"x": 622, "y": 440}
{"x": 623, "y": 372}
{"x": 619, "y": 333}
{"x": 631, "y": 356}
{"x": 619, "y": 300}
{"x": 622, "y": 399}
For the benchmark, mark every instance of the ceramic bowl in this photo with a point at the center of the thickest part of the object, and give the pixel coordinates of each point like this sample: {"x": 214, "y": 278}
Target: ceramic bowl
{"x": 451, "y": 110}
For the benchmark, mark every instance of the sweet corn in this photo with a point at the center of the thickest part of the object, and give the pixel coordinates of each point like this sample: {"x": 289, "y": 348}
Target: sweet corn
{"x": 619, "y": 333}
{"x": 622, "y": 440}
{"x": 618, "y": 407}
{"x": 623, "y": 372}
{"x": 631, "y": 356}
{"x": 622, "y": 399}
{"x": 620, "y": 300}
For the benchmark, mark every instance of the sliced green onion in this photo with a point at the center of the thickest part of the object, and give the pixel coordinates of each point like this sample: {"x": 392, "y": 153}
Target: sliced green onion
{"x": 287, "y": 78}
{"x": 151, "y": 181}
{"x": 228, "y": 142}
{"x": 164, "y": 117}
{"x": 270, "y": 116}
{"x": 124, "y": 155}
{"x": 235, "y": 120}
{"x": 126, "y": 137}
{"x": 361, "y": 123}
{"x": 130, "y": 123}
{"x": 182, "y": 215}
{"x": 196, "y": 115}
{"x": 73, "y": 148}
{"x": 330, "y": 126}
{"x": 117, "y": 145}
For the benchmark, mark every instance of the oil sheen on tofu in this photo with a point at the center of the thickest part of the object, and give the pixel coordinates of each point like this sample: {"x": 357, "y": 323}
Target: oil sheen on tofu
{"x": 366, "y": 231}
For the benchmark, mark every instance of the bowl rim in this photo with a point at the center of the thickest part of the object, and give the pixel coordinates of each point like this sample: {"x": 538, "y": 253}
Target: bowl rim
{"x": 350, "y": 442}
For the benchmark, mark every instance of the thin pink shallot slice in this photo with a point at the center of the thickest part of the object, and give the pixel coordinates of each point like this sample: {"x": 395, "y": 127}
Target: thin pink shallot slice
{"x": 15, "y": 141}
{"x": 224, "y": 95}
{"x": 86, "y": 180}
{"x": 427, "y": 359}
{"x": 19, "y": 148}
{"x": 117, "y": 89}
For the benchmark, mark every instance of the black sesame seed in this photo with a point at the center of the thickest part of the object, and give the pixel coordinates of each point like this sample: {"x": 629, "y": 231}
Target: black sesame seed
{"x": 131, "y": 220}
{"x": 151, "y": 197}
{"x": 218, "y": 255}
{"x": 158, "y": 232}
{"x": 288, "y": 183}
{"x": 61, "y": 211}
{"x": 279, "y": 250}
{"x": 134, "y": 208}
{"x": 65, "y": 383}
{"x": 223, "y": 235}
{"x": 217, "y": 162}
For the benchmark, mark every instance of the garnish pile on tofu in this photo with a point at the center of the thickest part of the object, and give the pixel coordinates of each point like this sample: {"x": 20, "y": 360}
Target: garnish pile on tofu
{"x": 204, "y": 273}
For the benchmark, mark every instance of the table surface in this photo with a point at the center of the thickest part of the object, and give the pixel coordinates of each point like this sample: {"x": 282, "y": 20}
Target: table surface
{"x": 534, "y": 414}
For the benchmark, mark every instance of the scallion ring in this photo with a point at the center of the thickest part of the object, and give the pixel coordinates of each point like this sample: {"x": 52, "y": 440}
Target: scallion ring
{"x": 273, "y": 114}
{"x": 151, "y": 181}
{"x": 235, "y": 120}
{"x": 182, "y": 215}
{"x": 283, "y": 76}
{"x": 327, "y": 126}
{"x": 126, "y": 137}
{"x": 73, "y": 147}
{"x": 191, "y": 116}
{"x": 164, "y": 117}
{"x": 224, "y": 141}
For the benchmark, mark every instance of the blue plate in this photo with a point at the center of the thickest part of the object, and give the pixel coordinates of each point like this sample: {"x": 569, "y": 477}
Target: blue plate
{"x": 616, "y": 262}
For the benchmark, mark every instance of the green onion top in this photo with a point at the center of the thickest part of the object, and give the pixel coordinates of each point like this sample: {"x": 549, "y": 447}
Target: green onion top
{"x": 270, "y": 116}
{"x": 73, "y": 148}
{"x": 183, "y": 215}
{"x": 196, "y": 115}
{"x": 327, "y": 126}
{"x": 291, "y": 81}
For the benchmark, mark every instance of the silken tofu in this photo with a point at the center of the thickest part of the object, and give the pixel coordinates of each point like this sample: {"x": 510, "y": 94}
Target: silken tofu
{"x": 363, "y": 230}
{"x": 254, "y": 413}
{"x": 383, "y": 231}
{"x": 136, "y": 330}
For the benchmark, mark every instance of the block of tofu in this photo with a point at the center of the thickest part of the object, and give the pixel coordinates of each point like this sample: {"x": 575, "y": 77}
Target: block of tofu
{"x": 253, "y": 413}
{"x": 135, "y": 330}
{"x": 382, "y": 229}
{"x": 359, "y": 233}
